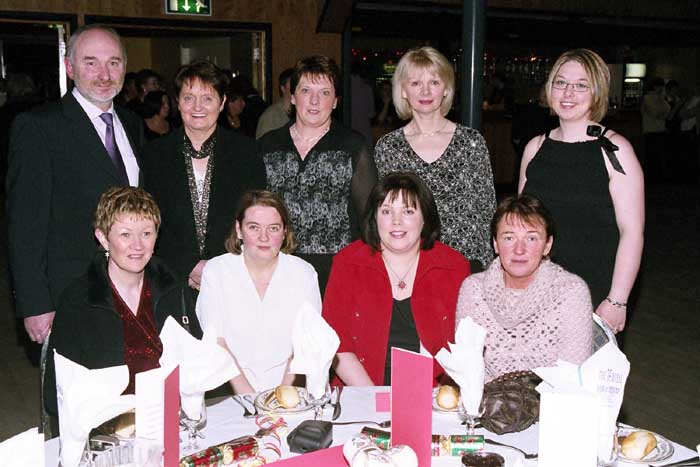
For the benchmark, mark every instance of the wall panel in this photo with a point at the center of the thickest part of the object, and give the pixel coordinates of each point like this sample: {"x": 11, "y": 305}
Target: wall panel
{"x": 293, "y": 21}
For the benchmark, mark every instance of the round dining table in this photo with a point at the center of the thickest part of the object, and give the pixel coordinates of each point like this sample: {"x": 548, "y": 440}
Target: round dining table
{"x": 225, "y": 422}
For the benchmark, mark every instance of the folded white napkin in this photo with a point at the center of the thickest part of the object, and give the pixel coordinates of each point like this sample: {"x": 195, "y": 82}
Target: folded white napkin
{"x": 315, "y": 344}
{"x": 204, "y": 364}
{"x": 464, "y": 362}
{"x": 87, "y": 399}
{"x": 600, "y": 379}
{"x": 25, "y": 449}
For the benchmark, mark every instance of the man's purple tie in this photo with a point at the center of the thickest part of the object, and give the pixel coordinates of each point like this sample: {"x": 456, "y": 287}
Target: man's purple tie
{"x": 113, "y": 149}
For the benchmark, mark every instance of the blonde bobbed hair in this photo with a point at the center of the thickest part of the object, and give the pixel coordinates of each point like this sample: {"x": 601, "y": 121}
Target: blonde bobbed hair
{"x": 419, "y": 60}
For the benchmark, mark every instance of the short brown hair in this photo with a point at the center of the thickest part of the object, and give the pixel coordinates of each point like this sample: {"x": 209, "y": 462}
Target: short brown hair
{"x": 262, "y": 198}
{"x": 422, "y": 59}
{"x": 414, "y": 193}
{"x": 316, "y": 66}
{"x": 125, "y": 201}
{"x": 527, "y": 209}
{"x": 205, "y": 72}
{"x": 598, "y": 75}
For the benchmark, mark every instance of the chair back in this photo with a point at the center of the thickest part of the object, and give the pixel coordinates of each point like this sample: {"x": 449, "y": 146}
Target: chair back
{"x": 45, "y": 417}
{"x": 602, "y": 333}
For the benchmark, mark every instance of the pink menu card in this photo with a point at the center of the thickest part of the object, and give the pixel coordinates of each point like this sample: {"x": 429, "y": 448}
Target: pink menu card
{"x": 412, "y": 402}
{"x": 171, "y": 420}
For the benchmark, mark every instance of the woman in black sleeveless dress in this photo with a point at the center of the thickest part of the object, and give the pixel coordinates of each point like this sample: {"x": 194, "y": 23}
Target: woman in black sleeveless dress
{"x": 589, "y": 178}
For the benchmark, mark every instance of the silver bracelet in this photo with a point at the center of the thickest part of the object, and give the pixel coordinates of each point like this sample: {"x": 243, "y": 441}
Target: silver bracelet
{"x": 616, "y": 303}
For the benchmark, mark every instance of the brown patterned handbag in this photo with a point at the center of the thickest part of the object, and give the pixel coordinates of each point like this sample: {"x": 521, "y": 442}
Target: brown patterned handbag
{"x": 510, "y": 402}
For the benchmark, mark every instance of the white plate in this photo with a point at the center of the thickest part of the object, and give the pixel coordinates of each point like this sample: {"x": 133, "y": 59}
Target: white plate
{"x": 266, "y": 401}
{"x": 437, "y": 408}
{"x": 662, "y": 451}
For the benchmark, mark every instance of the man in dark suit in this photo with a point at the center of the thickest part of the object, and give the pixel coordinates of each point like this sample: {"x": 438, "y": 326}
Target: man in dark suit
{"x": 62, "y": 157}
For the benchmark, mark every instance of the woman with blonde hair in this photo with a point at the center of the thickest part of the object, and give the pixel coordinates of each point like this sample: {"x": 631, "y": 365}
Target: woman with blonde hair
{"x": 589, "y": 178}
{"x": 251, "y": 295}
{"x": 450, "y": 158}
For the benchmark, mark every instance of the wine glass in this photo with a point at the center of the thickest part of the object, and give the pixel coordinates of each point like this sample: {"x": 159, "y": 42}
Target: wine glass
{"x": 470, "y": 419}
{"x": 193, "y": 426}
{"x": 321, "y": 402}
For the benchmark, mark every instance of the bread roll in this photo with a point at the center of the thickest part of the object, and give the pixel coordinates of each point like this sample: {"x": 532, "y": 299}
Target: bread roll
{"x": 287, "y": 396}
{"x": 447, "y": 397}
{"x": 638, "y": 444}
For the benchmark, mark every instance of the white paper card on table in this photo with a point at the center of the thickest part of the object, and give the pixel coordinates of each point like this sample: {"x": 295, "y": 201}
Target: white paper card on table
{"x": 25, "y": 449}
{"x": 568, "y": 428}
{"x": 150, "y": 389}
{"x": 605, "y": 373}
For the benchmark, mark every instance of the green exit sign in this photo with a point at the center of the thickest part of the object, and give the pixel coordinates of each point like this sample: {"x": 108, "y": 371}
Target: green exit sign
{"x": 188, "y": 7}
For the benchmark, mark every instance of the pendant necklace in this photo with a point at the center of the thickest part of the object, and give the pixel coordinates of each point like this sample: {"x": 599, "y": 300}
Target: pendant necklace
{"x": 401, "y": 284}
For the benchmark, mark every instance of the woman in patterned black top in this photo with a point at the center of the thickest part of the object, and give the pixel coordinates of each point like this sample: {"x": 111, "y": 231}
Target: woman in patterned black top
{"x": 450, "y": 158}
{"x": 323, "y": 171}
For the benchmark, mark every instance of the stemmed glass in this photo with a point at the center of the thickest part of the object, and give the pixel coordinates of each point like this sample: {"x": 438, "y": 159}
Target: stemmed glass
{"x": 193, "y": 426}
{"x": 469, "y": 419}
{"x": 321, "y": 402}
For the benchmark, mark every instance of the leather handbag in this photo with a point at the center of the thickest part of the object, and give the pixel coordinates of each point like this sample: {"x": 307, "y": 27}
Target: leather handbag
{"x": 510, "y": 402}
{"x": 310, "y": 435}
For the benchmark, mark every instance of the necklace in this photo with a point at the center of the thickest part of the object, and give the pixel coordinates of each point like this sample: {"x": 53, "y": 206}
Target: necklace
{"x": 430, "y": 134}
{"x": 313, "y": 139}
{"x": 401, "y": 284}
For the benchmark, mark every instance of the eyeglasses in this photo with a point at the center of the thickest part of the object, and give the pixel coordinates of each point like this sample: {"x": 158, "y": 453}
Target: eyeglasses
{"x": 578, "y": 86}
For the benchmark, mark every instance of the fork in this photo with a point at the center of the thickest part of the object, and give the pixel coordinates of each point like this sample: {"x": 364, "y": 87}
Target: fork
{"x": 246, "y": 412}
{"x": 248, "y": 398}
{"x": 384, "y": 424}
{"x": 525, "y": 454}
{"x": 336, "y": 405}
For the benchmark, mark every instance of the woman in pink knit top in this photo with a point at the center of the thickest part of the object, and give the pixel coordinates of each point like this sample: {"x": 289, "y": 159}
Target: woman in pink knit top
{"x": 534, "y": 311}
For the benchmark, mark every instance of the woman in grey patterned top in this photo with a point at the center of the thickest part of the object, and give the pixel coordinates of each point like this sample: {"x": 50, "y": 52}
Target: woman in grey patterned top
{"x": 323, "y": 171}
{"x": 452, "y": 159}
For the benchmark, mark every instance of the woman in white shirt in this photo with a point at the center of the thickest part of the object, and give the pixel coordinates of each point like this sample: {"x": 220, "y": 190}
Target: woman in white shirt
{"x": 250, "y": 296}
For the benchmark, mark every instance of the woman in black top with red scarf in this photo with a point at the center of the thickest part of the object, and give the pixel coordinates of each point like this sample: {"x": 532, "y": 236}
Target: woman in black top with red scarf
{"x": 198, "y": 174}
{"x": 114, "y": 313}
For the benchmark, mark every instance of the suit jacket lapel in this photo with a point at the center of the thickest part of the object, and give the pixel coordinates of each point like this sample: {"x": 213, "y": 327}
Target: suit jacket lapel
{"x": 87, "y": 140}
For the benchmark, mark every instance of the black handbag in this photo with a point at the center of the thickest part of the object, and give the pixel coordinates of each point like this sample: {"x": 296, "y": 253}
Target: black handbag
{"x": 310, "y": 435}
{"x": 184, "y": 319}
{"x": 510, "y": 402}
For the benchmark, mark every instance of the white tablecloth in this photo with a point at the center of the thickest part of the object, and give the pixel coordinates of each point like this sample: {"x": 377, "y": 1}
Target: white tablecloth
{"x": 225, "y": 422}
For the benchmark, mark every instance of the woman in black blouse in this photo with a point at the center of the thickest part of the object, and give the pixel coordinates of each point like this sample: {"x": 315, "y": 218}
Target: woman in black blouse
{"x": 323, "y": 170}
{"x": 198, "y": 173}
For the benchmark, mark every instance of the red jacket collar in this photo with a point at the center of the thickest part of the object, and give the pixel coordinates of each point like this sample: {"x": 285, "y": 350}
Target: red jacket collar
{"x": 361, "y": 254}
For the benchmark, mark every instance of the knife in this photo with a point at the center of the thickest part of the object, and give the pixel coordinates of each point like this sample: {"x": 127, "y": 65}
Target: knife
{"x": 693, "y": 461}
{"x": 336, "y": 405}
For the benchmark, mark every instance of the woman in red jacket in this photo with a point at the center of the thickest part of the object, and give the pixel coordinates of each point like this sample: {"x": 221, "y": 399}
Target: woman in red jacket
{"x": 397, "y": 287}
